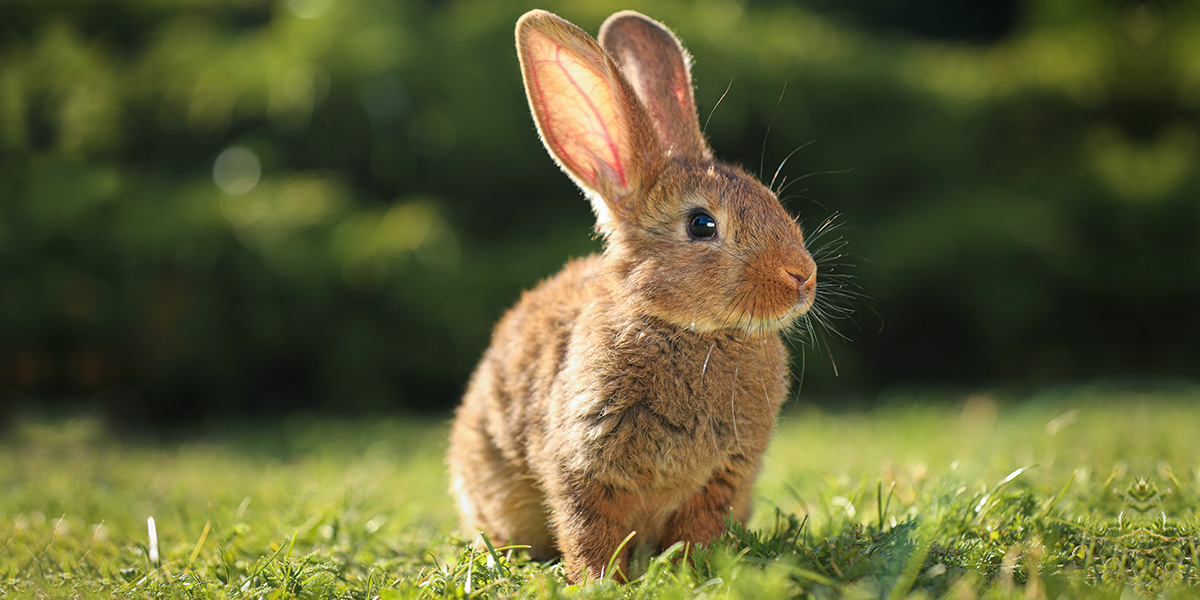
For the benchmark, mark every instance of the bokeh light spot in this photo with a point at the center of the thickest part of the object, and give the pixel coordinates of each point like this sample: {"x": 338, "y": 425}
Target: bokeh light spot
{"x": 236, "y": 170}
{"x": 307, "y": 9}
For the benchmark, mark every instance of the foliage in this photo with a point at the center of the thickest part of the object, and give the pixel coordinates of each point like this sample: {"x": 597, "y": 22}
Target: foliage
{"x": 214, "y": 207}
{"x": 1071, "y": 493}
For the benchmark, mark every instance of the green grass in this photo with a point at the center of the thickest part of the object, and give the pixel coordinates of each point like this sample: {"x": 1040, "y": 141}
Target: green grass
{"x": 1082, "y": 492}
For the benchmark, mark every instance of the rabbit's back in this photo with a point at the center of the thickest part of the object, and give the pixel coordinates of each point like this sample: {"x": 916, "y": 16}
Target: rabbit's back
{"x": 500, "y": 426}
{"x": 517, "y": 373}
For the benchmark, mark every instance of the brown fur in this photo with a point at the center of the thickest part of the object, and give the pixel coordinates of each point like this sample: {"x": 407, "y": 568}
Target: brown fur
{"x": 637, "y": 389}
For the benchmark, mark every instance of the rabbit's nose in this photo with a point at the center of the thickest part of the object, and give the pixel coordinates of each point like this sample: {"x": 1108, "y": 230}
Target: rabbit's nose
{"x": 803, "y": 279}
{"x": 806, "y": 287}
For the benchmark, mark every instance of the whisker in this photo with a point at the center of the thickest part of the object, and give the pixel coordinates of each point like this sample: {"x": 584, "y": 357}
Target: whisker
{"x": 784, "y": 162}
{"x": 714, "y": 108}
{"x": 732, "y": 411}
{"x": 740, "y": 259}
{"x": 832, "y": 361}
{"x": 822, "y": 320}
{"x": 763, "y": 157}
{"x": 827, "y": 247}
{"x": 802, "y": 332}
{"x": 733, "y": 307}
{"x": 827, "y": 226}
{"x": 713, "y": 430}
{"x": 803, "y": 370}
{"x": 799, "y": 194}
{"x": 767, "y": 399}
{"x": 829, "y": 172}
{"x": 704, "y": 368}
{"x": 783, "y": 188}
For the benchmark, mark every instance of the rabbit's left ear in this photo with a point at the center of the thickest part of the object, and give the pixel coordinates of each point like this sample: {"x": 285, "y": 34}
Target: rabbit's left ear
{"x": 589, "y": 117}
{"x": 659, "y": 69}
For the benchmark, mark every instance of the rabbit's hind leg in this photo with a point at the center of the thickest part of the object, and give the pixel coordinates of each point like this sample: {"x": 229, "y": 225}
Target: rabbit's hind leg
{"x": 496, "y": 497}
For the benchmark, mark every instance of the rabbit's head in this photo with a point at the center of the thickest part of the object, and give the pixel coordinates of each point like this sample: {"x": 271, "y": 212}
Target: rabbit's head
{"x": 696, "y": 242}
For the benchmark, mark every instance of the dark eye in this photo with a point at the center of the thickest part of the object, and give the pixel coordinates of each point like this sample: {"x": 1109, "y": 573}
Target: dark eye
{"x": 702, "y": 225}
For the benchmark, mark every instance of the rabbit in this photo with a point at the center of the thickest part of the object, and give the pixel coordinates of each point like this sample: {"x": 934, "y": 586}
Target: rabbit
{"x": 637, "y": 389}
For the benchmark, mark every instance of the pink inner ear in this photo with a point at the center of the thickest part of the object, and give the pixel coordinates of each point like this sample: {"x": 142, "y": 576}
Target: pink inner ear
{"x": 577, "y": 110}
{"x": 680, "y": 94}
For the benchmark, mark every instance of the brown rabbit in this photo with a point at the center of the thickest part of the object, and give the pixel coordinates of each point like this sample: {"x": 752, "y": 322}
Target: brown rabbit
{"x": 637, "y": 389}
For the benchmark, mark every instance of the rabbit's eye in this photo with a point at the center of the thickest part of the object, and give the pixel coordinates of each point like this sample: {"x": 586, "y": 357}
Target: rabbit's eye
{"x": 702, "y": 225}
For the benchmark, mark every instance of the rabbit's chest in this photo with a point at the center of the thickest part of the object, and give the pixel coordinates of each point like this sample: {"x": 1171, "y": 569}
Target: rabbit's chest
{"x": 649, "y": 449}
{"x": 670, "y": 412}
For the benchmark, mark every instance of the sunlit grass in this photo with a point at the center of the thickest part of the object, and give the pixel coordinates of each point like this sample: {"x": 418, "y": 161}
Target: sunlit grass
{"x": 1087, "y": 490}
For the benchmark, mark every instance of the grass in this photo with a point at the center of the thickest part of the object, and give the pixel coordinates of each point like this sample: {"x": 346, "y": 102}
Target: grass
{"x": 1087, "y": 492}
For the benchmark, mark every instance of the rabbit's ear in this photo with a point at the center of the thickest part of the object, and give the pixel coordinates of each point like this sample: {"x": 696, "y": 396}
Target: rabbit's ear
{"x": 659, "y": 69}
{"x": 587, "y": 114}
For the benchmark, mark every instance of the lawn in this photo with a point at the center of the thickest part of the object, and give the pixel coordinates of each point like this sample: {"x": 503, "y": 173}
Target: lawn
{"x": 1087, "y": 491}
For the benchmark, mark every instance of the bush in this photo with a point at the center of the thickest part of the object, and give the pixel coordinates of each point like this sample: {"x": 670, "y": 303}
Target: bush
{"x": 253, "y": 207}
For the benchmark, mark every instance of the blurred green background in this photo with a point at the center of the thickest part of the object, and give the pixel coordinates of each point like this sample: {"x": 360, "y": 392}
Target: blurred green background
{"x": 246, "y": 207}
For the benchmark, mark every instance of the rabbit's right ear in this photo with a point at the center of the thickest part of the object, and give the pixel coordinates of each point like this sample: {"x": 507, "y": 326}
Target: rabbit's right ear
{"x": 588, "y": 116}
